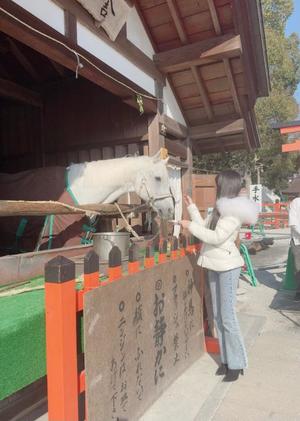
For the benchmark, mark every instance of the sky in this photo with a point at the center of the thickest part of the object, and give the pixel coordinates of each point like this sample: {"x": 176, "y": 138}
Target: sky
{"x": 293, "y": 25}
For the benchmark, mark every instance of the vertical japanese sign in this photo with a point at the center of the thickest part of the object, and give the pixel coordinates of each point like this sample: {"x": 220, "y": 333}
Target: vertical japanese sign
{"x": 256, "y": 194}
{"x": 111, "y": 15}
{"x": 140, "y": 333}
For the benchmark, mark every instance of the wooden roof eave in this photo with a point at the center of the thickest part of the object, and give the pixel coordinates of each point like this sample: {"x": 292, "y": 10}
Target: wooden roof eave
{"x": 249, "y": 24}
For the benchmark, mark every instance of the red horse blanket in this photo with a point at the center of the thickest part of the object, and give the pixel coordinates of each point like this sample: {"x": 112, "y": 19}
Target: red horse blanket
{"x": 28, "y": 233}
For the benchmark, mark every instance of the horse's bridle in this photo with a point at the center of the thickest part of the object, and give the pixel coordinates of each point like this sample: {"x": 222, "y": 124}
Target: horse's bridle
{"x": 151, "y": 199}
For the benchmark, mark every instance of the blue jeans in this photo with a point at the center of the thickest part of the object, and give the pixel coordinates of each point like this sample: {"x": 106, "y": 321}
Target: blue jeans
{"x": 223, "y": 286}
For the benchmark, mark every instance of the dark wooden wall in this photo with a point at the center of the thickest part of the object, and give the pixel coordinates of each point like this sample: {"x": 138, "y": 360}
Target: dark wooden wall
{"x": 20, "y": 136}
{"x": 84, "y": 122}
{"x": 79, "y": 122}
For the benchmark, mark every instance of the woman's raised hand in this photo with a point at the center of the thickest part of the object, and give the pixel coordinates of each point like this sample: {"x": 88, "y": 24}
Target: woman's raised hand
{"x": 188, "y": 200}
{"x": 185, "y": 224}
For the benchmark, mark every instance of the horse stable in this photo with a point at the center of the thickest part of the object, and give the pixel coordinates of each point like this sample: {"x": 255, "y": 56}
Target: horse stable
{"x": 176, "y": 76}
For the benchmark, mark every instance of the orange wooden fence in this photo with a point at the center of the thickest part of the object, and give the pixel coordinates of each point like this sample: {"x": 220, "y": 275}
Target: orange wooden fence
{"x": 274, "y": 215}
{"x": 63, "y": 304}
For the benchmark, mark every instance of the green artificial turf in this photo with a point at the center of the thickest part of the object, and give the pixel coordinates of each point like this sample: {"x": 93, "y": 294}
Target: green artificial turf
{"x": 22, "y": 340}
{"x": 22, "y": 337}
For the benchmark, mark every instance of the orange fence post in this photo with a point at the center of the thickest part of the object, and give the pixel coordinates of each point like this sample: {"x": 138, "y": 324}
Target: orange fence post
{"x": 149, "y": 258}
{"x": 163, "y": 249}
{"x": 114, "y": 264}
{"x": 197, "y": 244}
{"x": 182, "y": 244}
{"x": 174, "y": 248}
{"x": 61, "y": 339}
{"x": 133, "y": 259}
{"x": 190, "y": 244}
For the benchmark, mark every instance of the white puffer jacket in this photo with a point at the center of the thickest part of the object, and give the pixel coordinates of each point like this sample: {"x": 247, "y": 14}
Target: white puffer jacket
{"x": 219, "y": 252}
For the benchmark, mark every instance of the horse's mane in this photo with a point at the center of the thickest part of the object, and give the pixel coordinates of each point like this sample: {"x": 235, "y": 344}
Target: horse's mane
{"x": 107, "y": 161}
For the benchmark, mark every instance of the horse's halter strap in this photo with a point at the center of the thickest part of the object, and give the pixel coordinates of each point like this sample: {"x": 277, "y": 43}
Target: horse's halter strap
{"x": 151, "y": 199}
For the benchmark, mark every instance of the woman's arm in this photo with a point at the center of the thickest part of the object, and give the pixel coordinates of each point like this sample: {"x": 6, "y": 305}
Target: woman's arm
{"x": 193, "y": 211}
{"x": 224, "y": 229}
{"x": 195, "y": 215}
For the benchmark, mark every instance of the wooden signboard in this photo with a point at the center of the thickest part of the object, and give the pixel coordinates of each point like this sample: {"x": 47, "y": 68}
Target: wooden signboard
{"x": 141, "y": 333}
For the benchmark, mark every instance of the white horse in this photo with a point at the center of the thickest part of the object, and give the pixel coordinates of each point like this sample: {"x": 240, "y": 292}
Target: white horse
{"x": 91, "y": 182}
{"x": 105, "y": 181}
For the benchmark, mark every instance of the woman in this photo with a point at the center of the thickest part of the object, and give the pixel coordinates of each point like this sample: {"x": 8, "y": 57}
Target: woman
{"x": 223, "y": 260}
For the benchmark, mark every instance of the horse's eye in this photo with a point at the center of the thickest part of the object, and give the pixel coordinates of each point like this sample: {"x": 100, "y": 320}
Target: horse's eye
{"x": 158, "y": 178}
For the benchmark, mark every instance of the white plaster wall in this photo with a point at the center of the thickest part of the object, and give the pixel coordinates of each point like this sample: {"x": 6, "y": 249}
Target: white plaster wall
{"x": 136, "y": 33}
{"x": 171, "y": 107}
{"x": 53, "y": 15}
{"x": 45, "y": 10}
{"x": 96, "y": 46}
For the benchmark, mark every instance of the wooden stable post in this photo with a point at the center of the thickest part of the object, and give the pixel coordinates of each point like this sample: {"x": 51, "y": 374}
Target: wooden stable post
{"x": 114, "y": 264}
{"x": 174, "y": 248}
{"x": 149, "y": 258}
{"x": 133, "y": 260}
{"x": 61, "y": 339}
{"x": 163, "y": 248}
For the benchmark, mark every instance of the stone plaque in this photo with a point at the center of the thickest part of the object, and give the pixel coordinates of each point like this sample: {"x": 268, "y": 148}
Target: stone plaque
{"x": 141, "y": 333}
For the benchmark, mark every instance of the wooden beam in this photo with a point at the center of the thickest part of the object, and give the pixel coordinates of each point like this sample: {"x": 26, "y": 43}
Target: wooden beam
{"x": 226, "y": 62}
{"x": 176, "y": 148}
{"x": 225, "y": 140}
{"x": 177, "y": 21}
{"x": 202, "y": 91}
{"x": 156, "y": 139}
{"x": 250, "y": 26}
{"x": 23, "y": 60}
{"x": 232, "y": 85}
{"x": 41, "y": 207}
{"x": 217, "y": 149}
{"x": 195, "y": 72}
{"x": 200, "y": 52}
{"x": 219, "y": 129}
{"x": 71, "y": 27}
{"x": 251, "y": 131}
{"x": 214, "y": 16}
{"x": 11, "y": 90}
{"x": 173, "y": 128}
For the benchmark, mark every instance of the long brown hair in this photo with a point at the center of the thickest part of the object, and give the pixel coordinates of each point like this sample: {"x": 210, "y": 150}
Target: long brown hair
{"x": 229, "y": 184}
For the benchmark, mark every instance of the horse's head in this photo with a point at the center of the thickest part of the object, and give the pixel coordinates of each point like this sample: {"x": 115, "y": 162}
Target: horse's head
{"x": 153, "y": 186}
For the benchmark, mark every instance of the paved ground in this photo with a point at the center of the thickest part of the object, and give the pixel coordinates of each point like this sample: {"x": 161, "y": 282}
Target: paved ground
{"x": 270, "y": 389}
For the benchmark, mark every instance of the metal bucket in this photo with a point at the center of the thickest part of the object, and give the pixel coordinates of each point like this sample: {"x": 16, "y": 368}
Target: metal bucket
{"x": 103, "y": 242}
